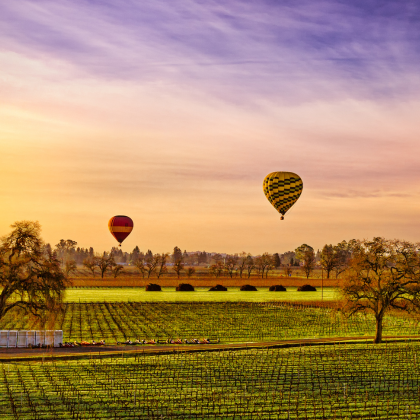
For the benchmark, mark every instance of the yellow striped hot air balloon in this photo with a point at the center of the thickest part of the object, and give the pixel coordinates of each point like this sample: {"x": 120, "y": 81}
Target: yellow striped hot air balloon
{"x": 282, "y": 190}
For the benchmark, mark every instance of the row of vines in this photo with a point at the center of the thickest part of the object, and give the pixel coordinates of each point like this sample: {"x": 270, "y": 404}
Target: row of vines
{"x": 326, "y": 382}
{"x": 227, "y": 321}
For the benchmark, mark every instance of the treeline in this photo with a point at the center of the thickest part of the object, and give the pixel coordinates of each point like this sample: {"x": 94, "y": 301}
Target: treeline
{"x": 333, "y": 259}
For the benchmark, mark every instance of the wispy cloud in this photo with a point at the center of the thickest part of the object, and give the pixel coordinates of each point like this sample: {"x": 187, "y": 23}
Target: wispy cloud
{"x": 300, "y": 50}
{"x": 365, "y": 194}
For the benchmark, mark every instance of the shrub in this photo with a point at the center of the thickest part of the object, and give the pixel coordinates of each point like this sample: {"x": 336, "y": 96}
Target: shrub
{"x": 218, "y": 288}
{"x": 277, "y": 288}
{"x": 249, "y": 288}
{"x": 306, "y": 288}
{"x": 151, "y": 287}
{"x": 185, "y": 287}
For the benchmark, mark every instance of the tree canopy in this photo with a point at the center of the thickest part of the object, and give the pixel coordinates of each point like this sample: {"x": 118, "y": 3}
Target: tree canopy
{"x": 30, "y": 274}
{"x": 383, "y": 275}
{"x": 302, "y": 250}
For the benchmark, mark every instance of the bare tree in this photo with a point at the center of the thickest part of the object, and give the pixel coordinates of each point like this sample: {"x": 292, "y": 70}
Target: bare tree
{"x": 104, "y": 263}
{"x": 151, "y": 265}
{"x": 29, "y": 278}
{"x": 250, "y": 265}
{"x": 241, "y": 263}
{"x": 161, "y": 264}
{"x": 139, "y": 263}
{"x": 230, "y": 264}
{"x": 263, "y": 262}
{"x": 190, "y": 271}
{"x": 383, "y": 275}
{"x": 178, "y": 266}
{"x": 116, "y": 270}
{"x": 90, "y": 264}
{"x": 70, "y": 267}
{"x": 270, "y": 266}
{"x": 216, "y": 269}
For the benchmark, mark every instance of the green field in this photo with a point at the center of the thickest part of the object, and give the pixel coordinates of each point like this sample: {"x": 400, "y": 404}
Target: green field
{"x": 337, "y": 381}
{"x": 227, "y": 321}
{"x": 169, "y": 294}
{"x": 324, "y": 382}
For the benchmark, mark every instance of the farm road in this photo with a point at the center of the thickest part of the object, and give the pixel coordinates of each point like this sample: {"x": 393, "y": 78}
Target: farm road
{"x": 21, "y": 354}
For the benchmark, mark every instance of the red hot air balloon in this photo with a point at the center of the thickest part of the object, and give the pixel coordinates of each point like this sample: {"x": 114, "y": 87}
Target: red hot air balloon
{"x": 120, "y": 227}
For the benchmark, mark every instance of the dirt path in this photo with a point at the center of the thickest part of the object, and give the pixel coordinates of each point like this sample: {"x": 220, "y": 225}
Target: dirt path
{"x": 21, "y": 354}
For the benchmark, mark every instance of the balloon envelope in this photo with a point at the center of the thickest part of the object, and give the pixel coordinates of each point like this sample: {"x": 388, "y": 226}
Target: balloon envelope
{"x": 120, "y": 227}
{"x": 282, "y": 190}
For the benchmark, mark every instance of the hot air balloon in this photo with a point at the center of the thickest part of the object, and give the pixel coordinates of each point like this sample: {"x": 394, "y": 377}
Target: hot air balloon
{"x": 282, "y": 190}
{"x": 120, "y": 227}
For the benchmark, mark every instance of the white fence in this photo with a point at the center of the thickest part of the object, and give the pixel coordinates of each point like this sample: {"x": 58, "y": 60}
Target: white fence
{"x": 14, "y": 338}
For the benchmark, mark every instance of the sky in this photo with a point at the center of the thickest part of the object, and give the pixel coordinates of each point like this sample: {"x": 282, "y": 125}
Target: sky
{"x": 173, "y": 113}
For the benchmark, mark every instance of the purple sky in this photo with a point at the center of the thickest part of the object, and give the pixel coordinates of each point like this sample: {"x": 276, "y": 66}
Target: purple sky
{"x": 174, "y": 113}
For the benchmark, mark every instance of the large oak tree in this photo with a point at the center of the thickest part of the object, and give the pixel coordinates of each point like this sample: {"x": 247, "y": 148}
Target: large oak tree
{"x": 30, "y": 275}
{"x": 383, "y": 275}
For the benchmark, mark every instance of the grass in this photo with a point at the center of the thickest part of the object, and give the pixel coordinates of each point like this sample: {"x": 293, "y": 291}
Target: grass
{"x": 356, "y": 381}
{"x": 201, "y": 294}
